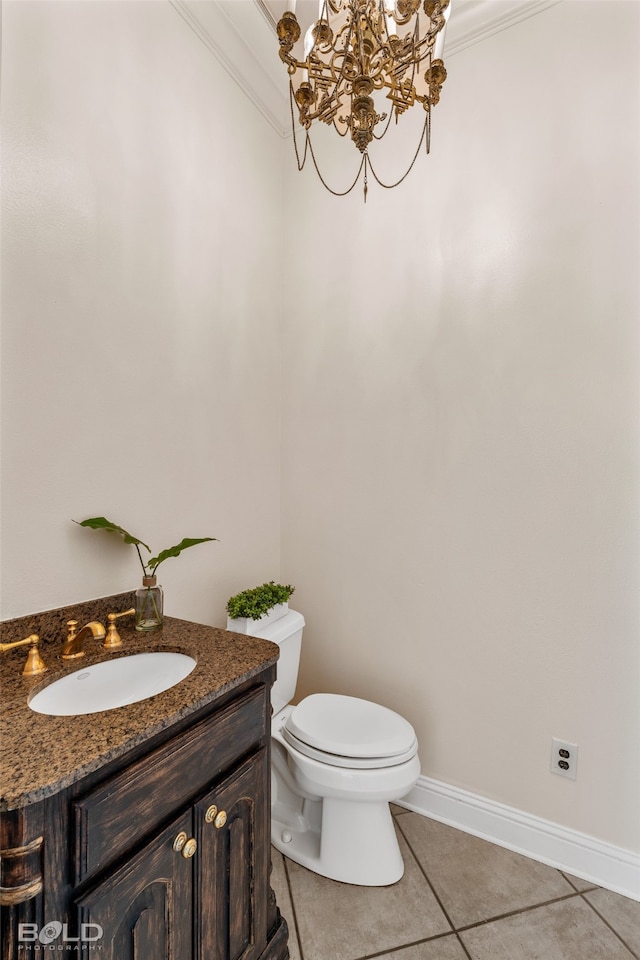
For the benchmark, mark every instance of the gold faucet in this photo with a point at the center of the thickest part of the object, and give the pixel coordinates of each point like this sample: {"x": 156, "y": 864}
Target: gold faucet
{"x": 113, "y": 639}
{"x": 73, "y": 646}
{"x": 35, "y": 663}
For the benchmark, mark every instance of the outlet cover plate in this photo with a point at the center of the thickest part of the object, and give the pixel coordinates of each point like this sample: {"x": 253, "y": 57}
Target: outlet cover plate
{"x": 564, "y": 758}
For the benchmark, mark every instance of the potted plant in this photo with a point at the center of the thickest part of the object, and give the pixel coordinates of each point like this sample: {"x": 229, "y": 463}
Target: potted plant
{"x": 254, "y": 609}
{"x": 149, "y": 597}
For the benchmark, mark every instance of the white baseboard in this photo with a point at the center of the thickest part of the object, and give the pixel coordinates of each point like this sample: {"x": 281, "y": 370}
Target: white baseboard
{"x": 576, "y": 853}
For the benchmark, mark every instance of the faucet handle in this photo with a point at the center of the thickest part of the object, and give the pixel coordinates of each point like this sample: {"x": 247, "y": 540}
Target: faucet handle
{"x": 34, "y": 664}
{"x": 113, "y": 640}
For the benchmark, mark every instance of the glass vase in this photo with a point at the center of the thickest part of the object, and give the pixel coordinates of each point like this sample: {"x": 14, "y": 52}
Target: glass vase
{"x": 149, "y": 603}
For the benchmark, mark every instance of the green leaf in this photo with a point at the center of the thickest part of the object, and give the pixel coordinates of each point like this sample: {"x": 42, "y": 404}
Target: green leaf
{"x": 176, "y": 551}
{"x": 257, "y": 601}
{"x": 101, "y": 523}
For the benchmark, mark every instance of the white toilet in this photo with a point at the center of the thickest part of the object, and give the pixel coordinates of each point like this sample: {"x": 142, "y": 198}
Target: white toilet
{"x": 336, "y": 763}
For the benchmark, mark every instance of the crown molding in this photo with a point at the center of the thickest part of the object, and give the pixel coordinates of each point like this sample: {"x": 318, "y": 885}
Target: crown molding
{"x": 244, "y": 43}
{"x": 241, "y": 35}
{"x": 473, "y": 21}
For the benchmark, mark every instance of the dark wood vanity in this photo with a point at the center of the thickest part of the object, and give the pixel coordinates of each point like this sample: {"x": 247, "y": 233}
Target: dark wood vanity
{"x": 156, "y": 846}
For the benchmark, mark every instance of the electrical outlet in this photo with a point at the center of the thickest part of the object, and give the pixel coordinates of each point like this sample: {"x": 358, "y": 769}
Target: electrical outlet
{"x": 564, "y": 758}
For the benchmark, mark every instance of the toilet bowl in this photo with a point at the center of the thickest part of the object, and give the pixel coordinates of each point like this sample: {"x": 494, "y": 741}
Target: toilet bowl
{"x": 336, "y": 763}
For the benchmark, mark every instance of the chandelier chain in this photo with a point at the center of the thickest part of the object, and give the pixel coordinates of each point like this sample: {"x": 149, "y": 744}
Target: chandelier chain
{"x": 336, "y": 193}
{"x": 308, "y": 145}
{"x": 390, "y": 186}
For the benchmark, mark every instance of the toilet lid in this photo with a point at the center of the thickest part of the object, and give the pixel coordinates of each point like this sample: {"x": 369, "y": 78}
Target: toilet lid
{"x": 351, "y": 728}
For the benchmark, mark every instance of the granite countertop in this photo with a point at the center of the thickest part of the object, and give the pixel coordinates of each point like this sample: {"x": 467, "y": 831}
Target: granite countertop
{"x": 40, "y": 755}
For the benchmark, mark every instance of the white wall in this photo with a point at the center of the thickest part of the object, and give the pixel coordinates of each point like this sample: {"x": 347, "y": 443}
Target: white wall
{"x": 460, "y": 455}
{"x": 460, "y": 433}
{"x": 141, "y": 309}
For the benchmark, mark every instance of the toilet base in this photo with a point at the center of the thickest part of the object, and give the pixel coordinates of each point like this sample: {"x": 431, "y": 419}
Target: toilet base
{"x": 353, "y": 842}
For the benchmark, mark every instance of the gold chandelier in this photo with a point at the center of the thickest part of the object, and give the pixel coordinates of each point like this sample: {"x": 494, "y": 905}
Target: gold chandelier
{"x": 355, "y": 51}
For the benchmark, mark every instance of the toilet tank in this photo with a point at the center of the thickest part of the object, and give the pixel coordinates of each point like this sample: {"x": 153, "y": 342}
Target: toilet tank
{"x": 287, "y": 633}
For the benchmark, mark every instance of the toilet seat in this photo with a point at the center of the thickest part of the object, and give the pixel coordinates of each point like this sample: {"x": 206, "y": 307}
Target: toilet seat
{"x": 353, "y": 763}
{"x": 348, "y": 732}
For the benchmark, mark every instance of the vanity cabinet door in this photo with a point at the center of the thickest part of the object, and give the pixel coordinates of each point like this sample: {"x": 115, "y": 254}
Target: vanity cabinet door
{"x": 232, "y": 865}
{"x": 145, "y": 906}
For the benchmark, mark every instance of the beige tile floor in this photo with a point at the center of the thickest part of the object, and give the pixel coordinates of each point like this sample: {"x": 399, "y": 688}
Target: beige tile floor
{"x": 461, "y": 898}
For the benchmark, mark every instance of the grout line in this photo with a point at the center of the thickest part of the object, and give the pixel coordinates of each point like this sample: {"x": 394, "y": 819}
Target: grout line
{"x": 463, "y": 945}
{"x": 293, "y": 906}
{"x": 431, "y": 887}
{"x": 406, "y": 946}
{"x": 515, "y": 913}
{"x": 607, "y": 924}
{"x": 575, "y": 887}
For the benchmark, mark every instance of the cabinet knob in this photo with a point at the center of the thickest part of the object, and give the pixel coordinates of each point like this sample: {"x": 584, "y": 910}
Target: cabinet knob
{"x": 180, "y": 841}
{"x": 215, "y": 816}
{"x": 189, "y": 848}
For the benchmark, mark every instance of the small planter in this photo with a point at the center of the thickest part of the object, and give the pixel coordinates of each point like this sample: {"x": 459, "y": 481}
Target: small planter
{"x": 246, "y": 625}
{"x": 252, "y": 610}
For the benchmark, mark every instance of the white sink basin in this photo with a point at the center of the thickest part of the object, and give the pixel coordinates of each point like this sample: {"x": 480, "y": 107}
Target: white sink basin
{"x": 112, "y": 683}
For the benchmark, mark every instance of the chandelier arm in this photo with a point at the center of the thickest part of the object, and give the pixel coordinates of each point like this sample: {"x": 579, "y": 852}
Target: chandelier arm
{"x": 336, "y": 76}
{"x": 379, "y": 56}
{"x": 386, "y": 126}
{"x": 403, "y": 20}
{"x": 293, "y": 131}
{"x": 425, "y": 47}
{"x": 342, "y": 50}
{"x": 424, "y": 50}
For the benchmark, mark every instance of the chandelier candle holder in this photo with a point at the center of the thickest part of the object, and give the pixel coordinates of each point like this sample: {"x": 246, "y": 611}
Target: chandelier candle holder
{"x": 356, "y": 52}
